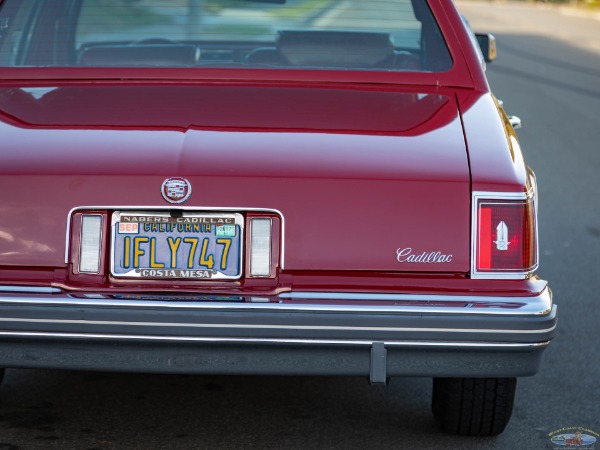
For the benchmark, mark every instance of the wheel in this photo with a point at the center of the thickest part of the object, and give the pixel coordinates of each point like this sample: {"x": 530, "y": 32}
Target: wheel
{"x": 473, "y": 406}
{"x": 1, "y": 375}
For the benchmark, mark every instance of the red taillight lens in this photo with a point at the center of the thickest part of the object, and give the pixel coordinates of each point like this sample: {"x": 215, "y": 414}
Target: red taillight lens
{"x": 506, "y": 236}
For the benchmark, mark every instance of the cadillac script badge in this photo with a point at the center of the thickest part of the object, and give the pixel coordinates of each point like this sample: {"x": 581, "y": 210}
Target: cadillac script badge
{"x": 176, "y": 190}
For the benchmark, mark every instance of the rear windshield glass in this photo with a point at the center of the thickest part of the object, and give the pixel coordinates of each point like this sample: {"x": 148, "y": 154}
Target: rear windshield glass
{"x": 391, "y": 35}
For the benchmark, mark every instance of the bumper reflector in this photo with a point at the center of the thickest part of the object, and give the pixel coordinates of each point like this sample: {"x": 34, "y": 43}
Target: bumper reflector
{"x": 91, "y": 236}
{"x": 260, "y": 247}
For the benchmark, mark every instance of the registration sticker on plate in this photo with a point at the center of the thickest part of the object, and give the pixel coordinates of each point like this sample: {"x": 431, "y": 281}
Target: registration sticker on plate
{"x": 194, "y": 246}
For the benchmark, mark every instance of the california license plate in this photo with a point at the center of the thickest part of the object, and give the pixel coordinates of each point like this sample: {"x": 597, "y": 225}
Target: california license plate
{"x": 193, "y": 246}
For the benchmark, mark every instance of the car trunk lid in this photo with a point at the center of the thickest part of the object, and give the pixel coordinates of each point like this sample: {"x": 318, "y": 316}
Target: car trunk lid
{"x": 364, "y": 178}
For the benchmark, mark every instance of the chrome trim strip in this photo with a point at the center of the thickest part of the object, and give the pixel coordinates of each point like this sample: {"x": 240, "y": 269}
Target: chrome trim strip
{"x": 488, "y": 195}
{"x": 276, "y": 341}
{"x": 30, "y": 289}
{"x": 540, "y": 305}
{"x": 273, "y": 327}
{"x": 505, "y": 195}
{"x": 181, "y": 207}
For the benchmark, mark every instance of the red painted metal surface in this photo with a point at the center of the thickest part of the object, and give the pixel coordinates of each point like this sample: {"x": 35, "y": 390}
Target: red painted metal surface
{"x": 495, "y": 156}
{"x": 360, "y": 164}
{"x": 390, "y": 172}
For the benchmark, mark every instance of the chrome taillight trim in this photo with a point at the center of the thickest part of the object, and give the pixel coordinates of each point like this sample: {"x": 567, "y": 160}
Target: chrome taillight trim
{"x": 130, "y": 208}
{"x": 500, "y": 197}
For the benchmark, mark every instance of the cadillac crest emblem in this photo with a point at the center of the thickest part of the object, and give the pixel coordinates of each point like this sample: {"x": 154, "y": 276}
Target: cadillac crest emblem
{"x": 176, "y": 190}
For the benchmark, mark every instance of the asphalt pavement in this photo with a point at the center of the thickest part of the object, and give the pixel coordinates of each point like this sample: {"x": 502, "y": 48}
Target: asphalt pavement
{"x": 548, "y": 74}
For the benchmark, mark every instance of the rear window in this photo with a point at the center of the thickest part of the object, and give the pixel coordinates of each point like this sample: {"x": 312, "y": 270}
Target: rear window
{"x": 392, "y": 35}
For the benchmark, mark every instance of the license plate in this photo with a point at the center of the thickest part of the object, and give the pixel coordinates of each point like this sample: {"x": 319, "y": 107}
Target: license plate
{"x": 192, "y": 246}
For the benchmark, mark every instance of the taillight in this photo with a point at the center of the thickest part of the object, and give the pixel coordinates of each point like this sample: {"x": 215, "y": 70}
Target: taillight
{"x": 505, "y": 238}
{"x": 86, "y": 243}
{"x": 260, "y": 247}
{"x": 263, "y": 243}
{"x": 90, "y": 244}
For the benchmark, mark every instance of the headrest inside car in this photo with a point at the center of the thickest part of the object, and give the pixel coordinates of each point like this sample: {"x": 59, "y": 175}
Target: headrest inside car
{"x": 334, "y": 48}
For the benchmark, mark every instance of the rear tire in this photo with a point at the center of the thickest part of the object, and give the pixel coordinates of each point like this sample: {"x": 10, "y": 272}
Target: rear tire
{"x": 473, "y": 406}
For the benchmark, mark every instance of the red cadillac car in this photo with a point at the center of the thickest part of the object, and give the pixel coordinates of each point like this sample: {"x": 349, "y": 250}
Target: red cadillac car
{"x": 291, "y": 187}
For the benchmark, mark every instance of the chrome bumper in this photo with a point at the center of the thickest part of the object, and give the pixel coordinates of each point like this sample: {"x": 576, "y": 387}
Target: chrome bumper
{"x": 378, "y": 335}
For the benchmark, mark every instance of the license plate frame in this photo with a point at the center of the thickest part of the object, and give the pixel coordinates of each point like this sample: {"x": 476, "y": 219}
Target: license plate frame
{"x": 203, "y": 245}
